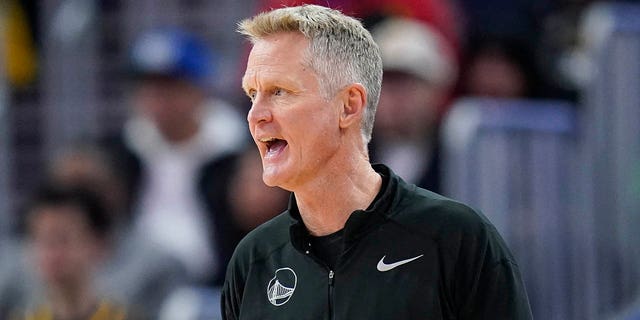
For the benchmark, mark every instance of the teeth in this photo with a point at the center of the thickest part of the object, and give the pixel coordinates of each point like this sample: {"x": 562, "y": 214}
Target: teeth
{"x": 271, "y": 139}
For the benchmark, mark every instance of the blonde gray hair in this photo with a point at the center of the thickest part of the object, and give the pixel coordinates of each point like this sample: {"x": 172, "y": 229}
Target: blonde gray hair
{"x": 341, "y": 51}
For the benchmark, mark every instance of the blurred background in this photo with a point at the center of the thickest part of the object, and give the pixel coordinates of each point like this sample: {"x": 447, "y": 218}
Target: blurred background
{"x": 123, "y": 139}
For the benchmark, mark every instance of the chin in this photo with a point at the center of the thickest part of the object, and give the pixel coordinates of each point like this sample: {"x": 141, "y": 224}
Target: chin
{"x": 271, "y": 176}
{"x": 269, "y": 181}
{"x": 275, "y": 177}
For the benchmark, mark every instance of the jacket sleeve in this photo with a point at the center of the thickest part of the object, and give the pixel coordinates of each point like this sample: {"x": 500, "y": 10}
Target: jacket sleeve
{"x": 488, "y": 281}
{"x": 231, "y": 297}
{"x": 500, "y": 294}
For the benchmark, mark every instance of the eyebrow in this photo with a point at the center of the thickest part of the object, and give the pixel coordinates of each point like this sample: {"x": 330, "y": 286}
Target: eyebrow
{"x": 243, "y": 84}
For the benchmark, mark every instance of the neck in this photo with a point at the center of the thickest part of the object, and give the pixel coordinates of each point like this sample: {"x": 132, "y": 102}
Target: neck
{"x": 72, "y": 301}
{"x": 326, "y": 203}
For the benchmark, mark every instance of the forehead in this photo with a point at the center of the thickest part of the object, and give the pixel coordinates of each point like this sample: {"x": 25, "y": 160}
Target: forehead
{"x": 288, "y": 50}
{"x": 289, "y": 43}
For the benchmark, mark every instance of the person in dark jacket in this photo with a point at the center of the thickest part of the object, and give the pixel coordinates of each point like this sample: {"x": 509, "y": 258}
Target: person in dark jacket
{"x": 175, "y": 135}
{"x": 357, "y": 242}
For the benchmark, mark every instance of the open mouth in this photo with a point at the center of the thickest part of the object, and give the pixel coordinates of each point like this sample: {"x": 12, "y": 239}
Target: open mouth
{"x": 275, "y": 146}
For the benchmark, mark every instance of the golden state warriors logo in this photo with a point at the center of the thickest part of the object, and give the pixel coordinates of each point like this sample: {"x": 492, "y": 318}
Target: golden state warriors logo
{"x": 281, "y": 287}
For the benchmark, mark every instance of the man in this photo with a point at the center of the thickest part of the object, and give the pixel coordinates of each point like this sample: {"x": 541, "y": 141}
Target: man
{"x": 175, "y": 134}
{"x": 67, "y": 233}
{"x": 419, "y": 71}
{"x": 134, "y": 270}
{"x": 357, "y": 242}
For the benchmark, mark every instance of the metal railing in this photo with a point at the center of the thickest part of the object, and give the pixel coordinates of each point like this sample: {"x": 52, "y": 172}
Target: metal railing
{"x": 611, "y": 149}
{"x": 513, "y": 160}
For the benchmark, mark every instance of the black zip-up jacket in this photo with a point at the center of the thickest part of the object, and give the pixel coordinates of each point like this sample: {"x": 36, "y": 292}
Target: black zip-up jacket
{"x": 412, "y": 255}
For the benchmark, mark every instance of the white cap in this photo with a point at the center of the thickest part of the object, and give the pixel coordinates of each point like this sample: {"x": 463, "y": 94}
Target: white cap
{"x": 416, "y": 48}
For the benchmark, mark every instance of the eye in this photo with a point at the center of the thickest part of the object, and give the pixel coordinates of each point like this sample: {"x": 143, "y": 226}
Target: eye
{"x": 278, "y": 92}
{"x": 251, "y": 94}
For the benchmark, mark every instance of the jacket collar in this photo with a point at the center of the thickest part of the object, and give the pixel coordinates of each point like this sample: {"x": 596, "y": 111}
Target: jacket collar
{"x": 360, "y": 221}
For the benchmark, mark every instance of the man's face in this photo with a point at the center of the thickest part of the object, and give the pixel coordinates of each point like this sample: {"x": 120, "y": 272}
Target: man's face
{"x": 63, "y": 246}
{"x": 408, "y": 106}
{"x": 295, "y": 128}
{"x": 167, "y": 101}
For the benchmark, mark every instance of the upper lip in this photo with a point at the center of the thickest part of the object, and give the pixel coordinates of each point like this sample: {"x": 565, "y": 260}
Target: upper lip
{"x": 268, "y": 141}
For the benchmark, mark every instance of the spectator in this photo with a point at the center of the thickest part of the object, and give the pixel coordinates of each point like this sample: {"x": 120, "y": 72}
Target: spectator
{"x": 135, "y": 270}
{"x": 88, "y": 166}
{"x": 243, "y": 194}
{"x": 232, "y": 185}
{"x": 175, "y": 132}
{"x": 251, "y": 201}
{"x": 499, "y": 68}
{"x": 419, "y": 68}
{"x": 67, "y": 234}
{"x": 506, "y": 18}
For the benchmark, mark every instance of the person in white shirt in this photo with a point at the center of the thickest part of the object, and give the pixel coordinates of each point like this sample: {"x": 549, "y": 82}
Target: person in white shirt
{"x": 176, "y": 130}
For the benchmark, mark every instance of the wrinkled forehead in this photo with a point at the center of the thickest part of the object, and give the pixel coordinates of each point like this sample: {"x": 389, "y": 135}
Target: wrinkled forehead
{"x": 288, "y": 51}
{"x": 289, "y": 44}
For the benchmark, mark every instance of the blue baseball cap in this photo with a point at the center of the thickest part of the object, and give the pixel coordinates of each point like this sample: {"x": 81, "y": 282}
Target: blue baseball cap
{"x": 171, "y": 52}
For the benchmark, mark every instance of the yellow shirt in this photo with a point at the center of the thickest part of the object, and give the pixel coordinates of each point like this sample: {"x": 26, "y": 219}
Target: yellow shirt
{"x": 105, "y": 311}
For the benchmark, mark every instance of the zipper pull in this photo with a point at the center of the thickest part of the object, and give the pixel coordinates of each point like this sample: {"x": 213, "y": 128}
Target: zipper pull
{"x": 331, "y": 274}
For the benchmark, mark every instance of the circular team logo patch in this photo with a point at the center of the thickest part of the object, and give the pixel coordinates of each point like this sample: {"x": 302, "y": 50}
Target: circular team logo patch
{"x": 281, "y": 287}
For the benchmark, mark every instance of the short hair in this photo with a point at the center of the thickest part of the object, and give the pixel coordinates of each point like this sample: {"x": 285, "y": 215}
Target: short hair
{"x": 89, "y": 204}
{"x": 341, "y": 51}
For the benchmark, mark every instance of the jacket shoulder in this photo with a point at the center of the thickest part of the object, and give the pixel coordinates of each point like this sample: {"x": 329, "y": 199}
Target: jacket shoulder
{"x": 424, "y": 208}
{"x": 452, "y": 224}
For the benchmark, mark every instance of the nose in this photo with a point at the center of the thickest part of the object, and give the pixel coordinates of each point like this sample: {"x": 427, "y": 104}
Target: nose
{"x": 259, "y": 112}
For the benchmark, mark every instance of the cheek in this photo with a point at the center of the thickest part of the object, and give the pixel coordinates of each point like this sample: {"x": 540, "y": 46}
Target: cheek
{"x": 81, "y": 257}
{"x": 51, "y": 261}
{"x": 310, "y": 125}
{"x": 320, "y": 137}
{"x": 309, "y": 128}
{"x": 88, "y": 255}
{"x": 45, "y": 256}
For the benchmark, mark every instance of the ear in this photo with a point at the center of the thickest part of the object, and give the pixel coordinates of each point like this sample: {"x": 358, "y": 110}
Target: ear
{"x": 354, "y": 100}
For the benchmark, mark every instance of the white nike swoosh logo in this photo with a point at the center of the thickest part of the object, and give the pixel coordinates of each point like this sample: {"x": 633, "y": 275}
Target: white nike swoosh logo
{"x": 382, "y": 267}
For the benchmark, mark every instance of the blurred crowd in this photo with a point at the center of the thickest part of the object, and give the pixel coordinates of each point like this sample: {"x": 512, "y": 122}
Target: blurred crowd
{"x": 140, "y": 222}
